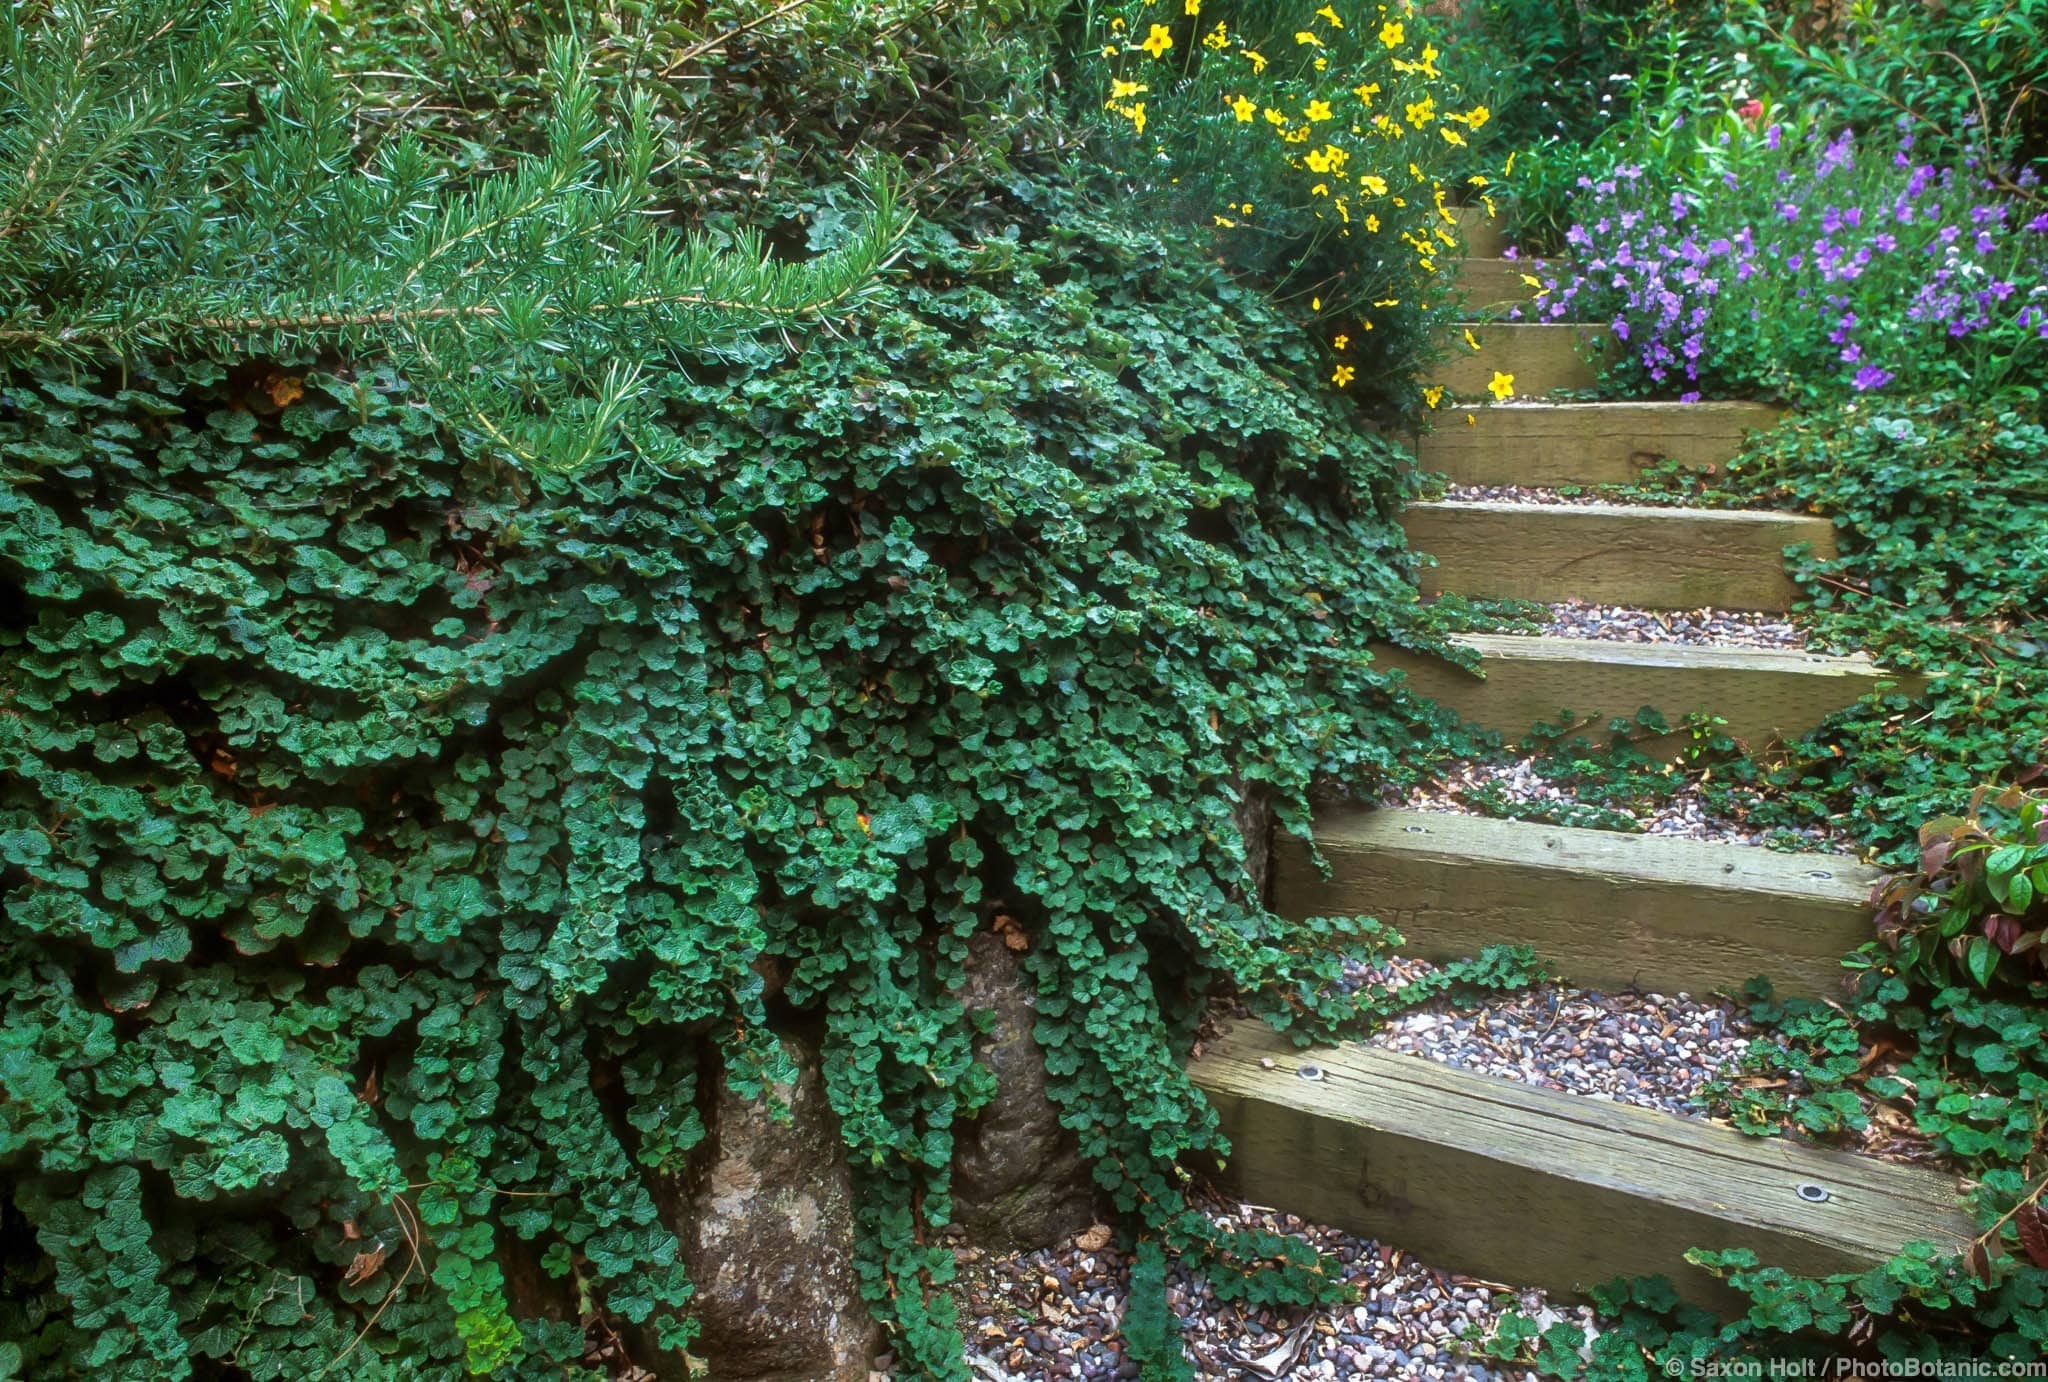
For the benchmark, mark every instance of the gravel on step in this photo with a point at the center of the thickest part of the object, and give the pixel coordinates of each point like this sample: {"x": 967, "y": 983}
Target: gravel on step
{"x": 1682, "y": 815}
{"x": 1631, "y": 1048}
{"x": 1055, "y": 1314}
{"x": 1520, "y": 494}
{"x": 1734, "y": 628}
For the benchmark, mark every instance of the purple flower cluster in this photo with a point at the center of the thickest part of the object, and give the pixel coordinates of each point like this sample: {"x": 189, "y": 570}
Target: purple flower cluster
{"x": 1806, "y": 263}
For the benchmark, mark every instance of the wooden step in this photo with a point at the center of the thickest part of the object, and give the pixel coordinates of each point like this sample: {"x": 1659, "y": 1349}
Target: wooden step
{"x": 1612, "y": 554}
{"x": 1529, "y": 1186}
{"x": 1550, "y": 444}
{"x": 1484, "y": 237}
{"x": 1610, "y": 910}
{"x": 1540, "y": 357}
{"x": 1763, "y": 694}
{"x": 1497, "y": 283}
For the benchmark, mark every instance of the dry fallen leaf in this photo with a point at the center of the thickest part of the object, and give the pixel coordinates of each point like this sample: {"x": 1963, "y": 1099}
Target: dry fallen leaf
{"x": 284, "y": 389}
{"x": 364, "y": 1266}
{"x": 1094, "y": 1239}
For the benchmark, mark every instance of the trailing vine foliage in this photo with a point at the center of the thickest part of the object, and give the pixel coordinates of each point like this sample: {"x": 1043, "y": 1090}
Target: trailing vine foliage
{"x": 392, "y": 846}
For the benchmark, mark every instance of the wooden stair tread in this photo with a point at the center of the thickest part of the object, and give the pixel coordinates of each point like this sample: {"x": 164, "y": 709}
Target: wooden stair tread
{"x": 1638, "y": 556}
{"x": 1762, "y": 694}
{"x": 1542, "y": 357}
{"x": 1549, "y": 444}
{"x": 1514, "y": 1183}
{"x": 1610, "y": 909}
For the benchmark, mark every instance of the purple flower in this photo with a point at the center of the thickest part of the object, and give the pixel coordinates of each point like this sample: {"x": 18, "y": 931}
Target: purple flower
{"x": 1774, "y": 136}
{"x": 1871, "y": 377}
{"x": 2039, "y": 225}
{"x": 1620, "y": 327}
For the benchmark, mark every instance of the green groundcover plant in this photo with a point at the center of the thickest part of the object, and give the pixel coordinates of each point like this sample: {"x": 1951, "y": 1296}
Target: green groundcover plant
{"x": 407, "y": 773}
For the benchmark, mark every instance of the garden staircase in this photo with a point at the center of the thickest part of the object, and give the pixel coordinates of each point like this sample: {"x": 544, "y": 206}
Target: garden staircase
{"x": 1527, "y": 1185}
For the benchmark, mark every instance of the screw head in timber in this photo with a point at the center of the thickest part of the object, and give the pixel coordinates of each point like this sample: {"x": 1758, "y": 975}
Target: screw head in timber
{"x": 1813, "y": 1194}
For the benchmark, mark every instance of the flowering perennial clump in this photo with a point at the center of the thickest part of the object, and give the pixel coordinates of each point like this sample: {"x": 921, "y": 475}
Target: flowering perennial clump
{"x": 1811, "y": 263}
{"x": 1317, "y": 143}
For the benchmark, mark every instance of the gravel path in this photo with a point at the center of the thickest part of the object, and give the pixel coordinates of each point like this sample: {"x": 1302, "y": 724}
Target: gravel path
{"x": 1520, "y": 494}
{"x": 1682, "y": 815}
{"x": 1054, "y": 1314}
{"x": 1631, "y": 1048}
{"x": 1735, "y": 628}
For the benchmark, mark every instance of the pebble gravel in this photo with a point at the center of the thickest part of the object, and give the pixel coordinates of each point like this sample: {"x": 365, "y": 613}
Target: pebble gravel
{"x": 1054, "y": 1314}
{"x": 1630, "y": 1048}
{"x": 1682, "y": 815}
{"x": 1734, "y": 628}
{"x": 1520, "y": 494}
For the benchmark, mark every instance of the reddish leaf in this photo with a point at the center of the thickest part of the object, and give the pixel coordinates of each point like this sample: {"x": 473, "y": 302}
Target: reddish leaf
{"x": 1980, "y": 1262}
{"x": 2033, "y": 1227}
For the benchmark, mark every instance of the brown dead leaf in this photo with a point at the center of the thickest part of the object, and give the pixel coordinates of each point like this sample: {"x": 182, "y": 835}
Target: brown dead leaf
{"x": 284, "y": 389}
{"x": 364, "y": 1266}
{"x": 1094, "y": 1238}
{"x": 1013, "y": 935}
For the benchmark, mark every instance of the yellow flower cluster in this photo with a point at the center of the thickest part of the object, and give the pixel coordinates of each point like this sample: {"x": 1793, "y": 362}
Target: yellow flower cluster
{"x": 1356, "y": 111}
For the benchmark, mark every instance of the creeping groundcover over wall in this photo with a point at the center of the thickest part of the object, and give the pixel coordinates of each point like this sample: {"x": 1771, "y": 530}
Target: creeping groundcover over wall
{"x": 455, "y": 628}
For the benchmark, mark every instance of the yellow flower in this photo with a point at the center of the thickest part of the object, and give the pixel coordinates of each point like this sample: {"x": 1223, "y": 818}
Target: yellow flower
{"x": 1322, "y": 64}
{"x": 1321, "y": 189}
{"x": 1491, "y": 214}
{"x": 1158, "y": 41}
{"x": 1367, "y": 92}
{"x": 1374, "y": 186}
{"x": 1421, "y": 112}
{"x": 1509, "y": 171}
{"x": 1331, "y": 15}
{"x": 1372, "y": 223}
{"x": 1246, "y": 208}
{"x": 1275, "y": 118}
{"x": 1341, "y": 343}
{"x": 1315, "y": 304}
{"x": 1476, "y": 180}
{"x": 1393, "y": 34}
{"x": 1476, "y": 117}
{"x": 1502, "y": 386}
{"x": 1451, "y": 136}
{"x": 1137, "y": 114}
{"x": 1470, "y": 339}
{"x": 1532, "y": 280}
{"x": 1471, "y": 421}
{"x": 1193, "y": 6}
{"x": 1257, "y": 59}
{"x": 1388, "y": 302}
{"x": 1344, "y": 375}
{"x": 1433, "y": 395}
{"x": 1306, "y": 38}
{"x": 1121, "y": 90}
{"x": 1218, "y": 38}
{"x": 1225, "y": 222}
{"x": 1318, "y": 110}
{"x": 1298, "y": 135}
{"x": 1245, "y": 108}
